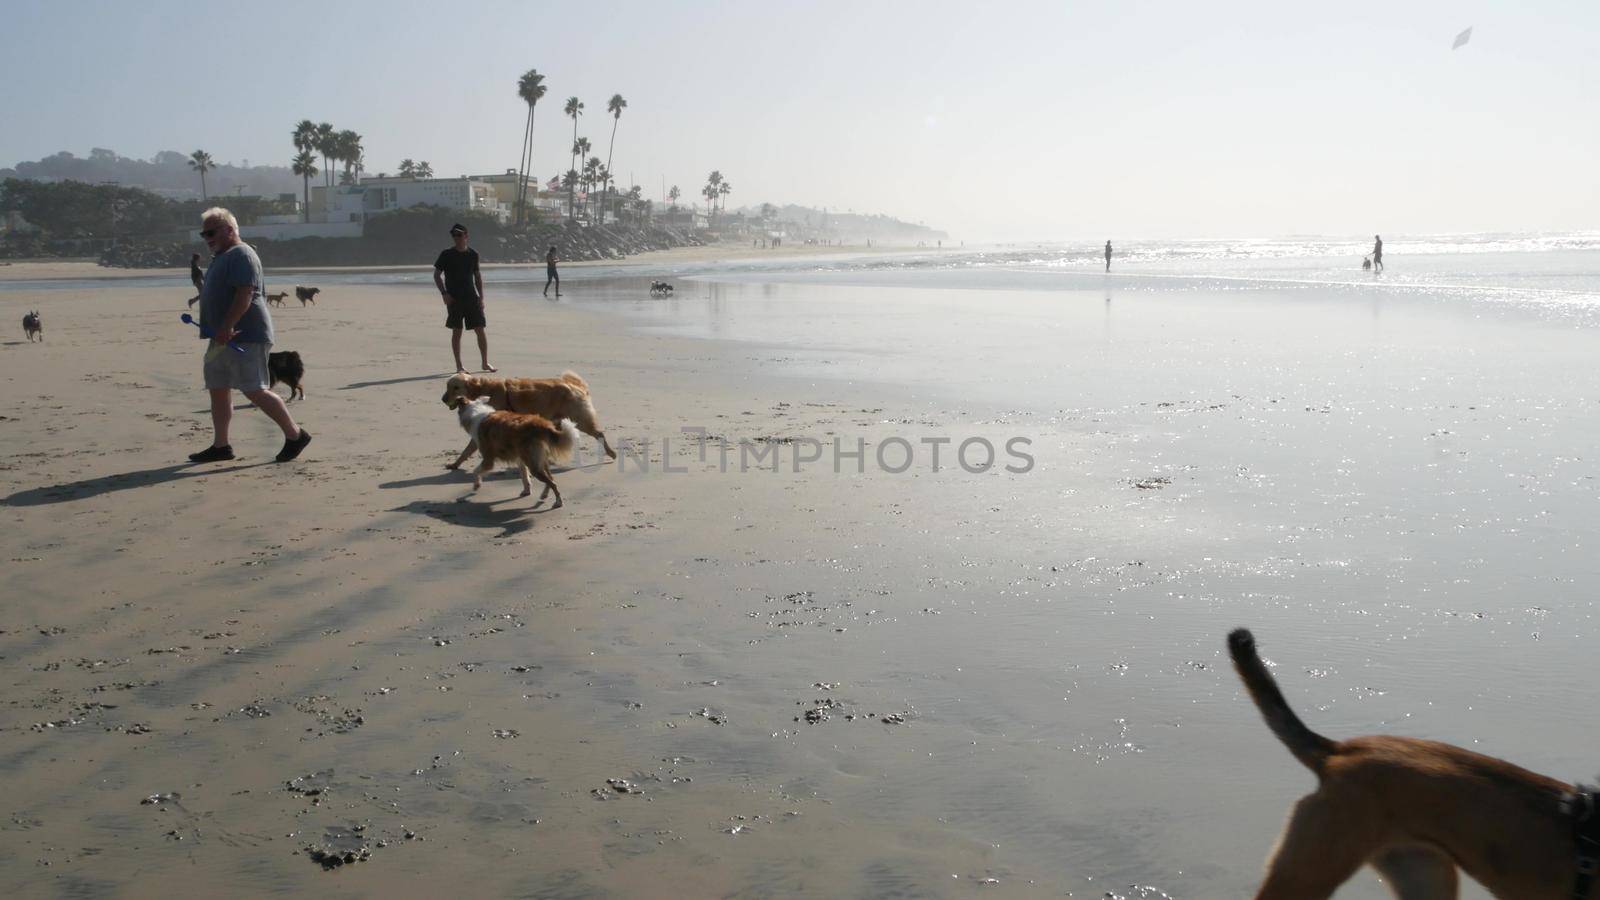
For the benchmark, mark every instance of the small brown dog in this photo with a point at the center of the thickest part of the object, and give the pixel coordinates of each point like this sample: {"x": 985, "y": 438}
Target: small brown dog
{"x": 1414, "y": 810}
{"x": 566, "y": 397}
{"x": 530, "y": 441}
{"x": 278, "y": 298}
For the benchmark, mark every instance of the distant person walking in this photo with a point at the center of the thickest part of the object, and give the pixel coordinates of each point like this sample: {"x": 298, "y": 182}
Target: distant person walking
{"x": 233, "y": 314}
{"x": 550, "y": 274}
{"x": 195, "y": 275}
{"x": 1377, "y": 254}
{"x": 1108, "y": 256}
{"x": 460, "y": 284}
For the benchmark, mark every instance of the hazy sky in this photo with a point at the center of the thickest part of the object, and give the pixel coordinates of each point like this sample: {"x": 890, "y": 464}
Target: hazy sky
{"x": 1044, "y": 119}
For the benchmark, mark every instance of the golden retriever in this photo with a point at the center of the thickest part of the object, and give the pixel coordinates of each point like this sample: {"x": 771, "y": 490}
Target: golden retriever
{"x": 1415, "y": 810}
{"x": 530, "y": 441}
{"x": 566, "y": 397}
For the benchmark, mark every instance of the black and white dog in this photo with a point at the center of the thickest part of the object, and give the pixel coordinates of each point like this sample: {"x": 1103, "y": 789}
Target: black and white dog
{"x": 660, "y": 289}
{"x": 33, "y": 325}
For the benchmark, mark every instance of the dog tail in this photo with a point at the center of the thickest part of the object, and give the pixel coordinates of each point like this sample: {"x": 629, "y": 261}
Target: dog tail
{"x": 574, "y": 379}
{"x": 1310, "y": 748}
{"x": 566, "y": 440}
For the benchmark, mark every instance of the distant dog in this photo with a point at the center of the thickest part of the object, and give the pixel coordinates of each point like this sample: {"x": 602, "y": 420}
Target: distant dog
{"x": 1414, "y": 810}
{"x": 566, "y": 397}
{"x": 286, "y": 367}
{"x": 278, "y": 298}
{"x": 660, "y": 289}
{"x": 33, "y": 325}
{"x": 530, "y": 441}
{"x": 306, "y": 295}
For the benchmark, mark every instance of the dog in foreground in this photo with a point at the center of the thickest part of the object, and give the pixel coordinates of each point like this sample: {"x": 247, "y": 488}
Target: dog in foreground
{"x": 306, "y": 294}
{"x": 530, "y": 441}
{"x": 555, "y": 399}
{"x": 32, "y": 325}
{"x": 1416, "y": 811}
{"x": 285, "y": 366}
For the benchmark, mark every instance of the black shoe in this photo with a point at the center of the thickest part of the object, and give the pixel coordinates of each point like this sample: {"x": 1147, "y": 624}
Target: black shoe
{"x": 212, "y": 454}
{"x": 291, "y": 449}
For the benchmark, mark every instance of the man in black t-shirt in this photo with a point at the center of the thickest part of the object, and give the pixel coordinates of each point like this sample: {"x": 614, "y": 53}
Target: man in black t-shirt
{"x": 460, "y": 285}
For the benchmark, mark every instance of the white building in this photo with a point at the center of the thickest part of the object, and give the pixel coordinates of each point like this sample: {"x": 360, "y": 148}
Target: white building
{"x": 384, "y": 194}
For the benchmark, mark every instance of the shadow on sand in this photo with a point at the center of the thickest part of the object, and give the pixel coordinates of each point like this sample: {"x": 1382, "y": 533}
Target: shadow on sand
{"x": 109, "y": 484}
{"x": 463, "y": 476}
{"x": 366, "y": 384}
{"x": 513, "y": 519}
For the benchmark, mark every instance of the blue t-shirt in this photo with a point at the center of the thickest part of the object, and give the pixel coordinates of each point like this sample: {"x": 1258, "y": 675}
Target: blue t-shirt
{"x": 230, "y": 270}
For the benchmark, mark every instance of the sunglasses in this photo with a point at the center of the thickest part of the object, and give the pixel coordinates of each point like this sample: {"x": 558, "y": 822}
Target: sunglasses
{"x": 209, "y": 233}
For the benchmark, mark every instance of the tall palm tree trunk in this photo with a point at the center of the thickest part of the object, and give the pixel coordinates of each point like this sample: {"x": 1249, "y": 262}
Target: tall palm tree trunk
{"x": 572, "y": 191}
{"x": 522, "y": 164}
{"x": 605, "y": 195}
{"x": 528, "y": 169}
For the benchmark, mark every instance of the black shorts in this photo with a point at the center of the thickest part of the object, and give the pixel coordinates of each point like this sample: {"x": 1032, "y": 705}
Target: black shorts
{"x": 465, "y": 312}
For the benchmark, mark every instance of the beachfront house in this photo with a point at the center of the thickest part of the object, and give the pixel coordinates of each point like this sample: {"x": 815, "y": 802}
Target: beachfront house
{"x": 464, "y": 193}
{"x": 342, "y": 210}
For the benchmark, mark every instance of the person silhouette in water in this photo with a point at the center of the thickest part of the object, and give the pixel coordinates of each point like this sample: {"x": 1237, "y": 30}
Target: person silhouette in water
{"x": 1377, "y": 254}
{"x": 1108, "y": 256}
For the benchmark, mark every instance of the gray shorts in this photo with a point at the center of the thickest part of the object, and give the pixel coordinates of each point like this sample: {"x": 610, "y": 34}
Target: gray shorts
{"x": 228, "y": 368}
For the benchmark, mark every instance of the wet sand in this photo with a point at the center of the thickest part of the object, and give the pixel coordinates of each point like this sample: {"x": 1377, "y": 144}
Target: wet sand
{"x": 757, "y": 683}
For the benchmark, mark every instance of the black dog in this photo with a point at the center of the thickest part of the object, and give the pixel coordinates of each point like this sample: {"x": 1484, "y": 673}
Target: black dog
{"x": 660, "y": 289}
{"x": 306, "y": 294}
{"x": 32, "y": 325}
{"x": 287, "y": 368}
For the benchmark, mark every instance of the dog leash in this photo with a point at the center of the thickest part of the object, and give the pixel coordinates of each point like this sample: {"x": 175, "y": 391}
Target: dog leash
{"x": 1585, "y": 836}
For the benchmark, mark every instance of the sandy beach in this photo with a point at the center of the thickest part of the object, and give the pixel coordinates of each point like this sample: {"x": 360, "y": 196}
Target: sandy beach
{"x": 702, "y": 677}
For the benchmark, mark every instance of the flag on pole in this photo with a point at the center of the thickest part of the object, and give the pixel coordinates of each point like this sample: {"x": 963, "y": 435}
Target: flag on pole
{"x": 1461, "y": 39}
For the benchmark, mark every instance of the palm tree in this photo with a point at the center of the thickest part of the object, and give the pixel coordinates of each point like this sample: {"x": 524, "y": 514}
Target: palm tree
{"x": 305, "y": 135}
{"x": 673, "y": 196}
{"x": 710, "y": 193}
{"x": 200, "y": 161}
{"x": 325, "y": 144}
{"x": 574, "y": 108}
{"x": 591, "y": 173}
{"x": 570, "y": 182}
{"x": 424, "y": 169}
{"x": 350, "y": 152}
{"x": 530, "y": 87}
{"x": 408, "y": 168}
{"x": 305, "y": 165}
{"x": 714, "y": 189}
{"x": 724, "y": 189}
{"x": 602, "y": 176}
{"x": 615, "y": 106}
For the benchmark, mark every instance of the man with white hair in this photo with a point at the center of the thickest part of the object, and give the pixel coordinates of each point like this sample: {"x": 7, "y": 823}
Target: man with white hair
{"x": 233, "y": 314}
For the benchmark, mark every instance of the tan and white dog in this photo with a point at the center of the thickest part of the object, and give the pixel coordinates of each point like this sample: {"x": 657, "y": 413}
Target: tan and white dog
{"x": 555, "y": 399}
{"x": 530, "y": 441}
{"x": 1415, "y": 810}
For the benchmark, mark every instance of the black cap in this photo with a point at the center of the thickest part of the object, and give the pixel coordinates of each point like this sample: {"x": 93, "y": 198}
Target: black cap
{"x": 458, "y": 228}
